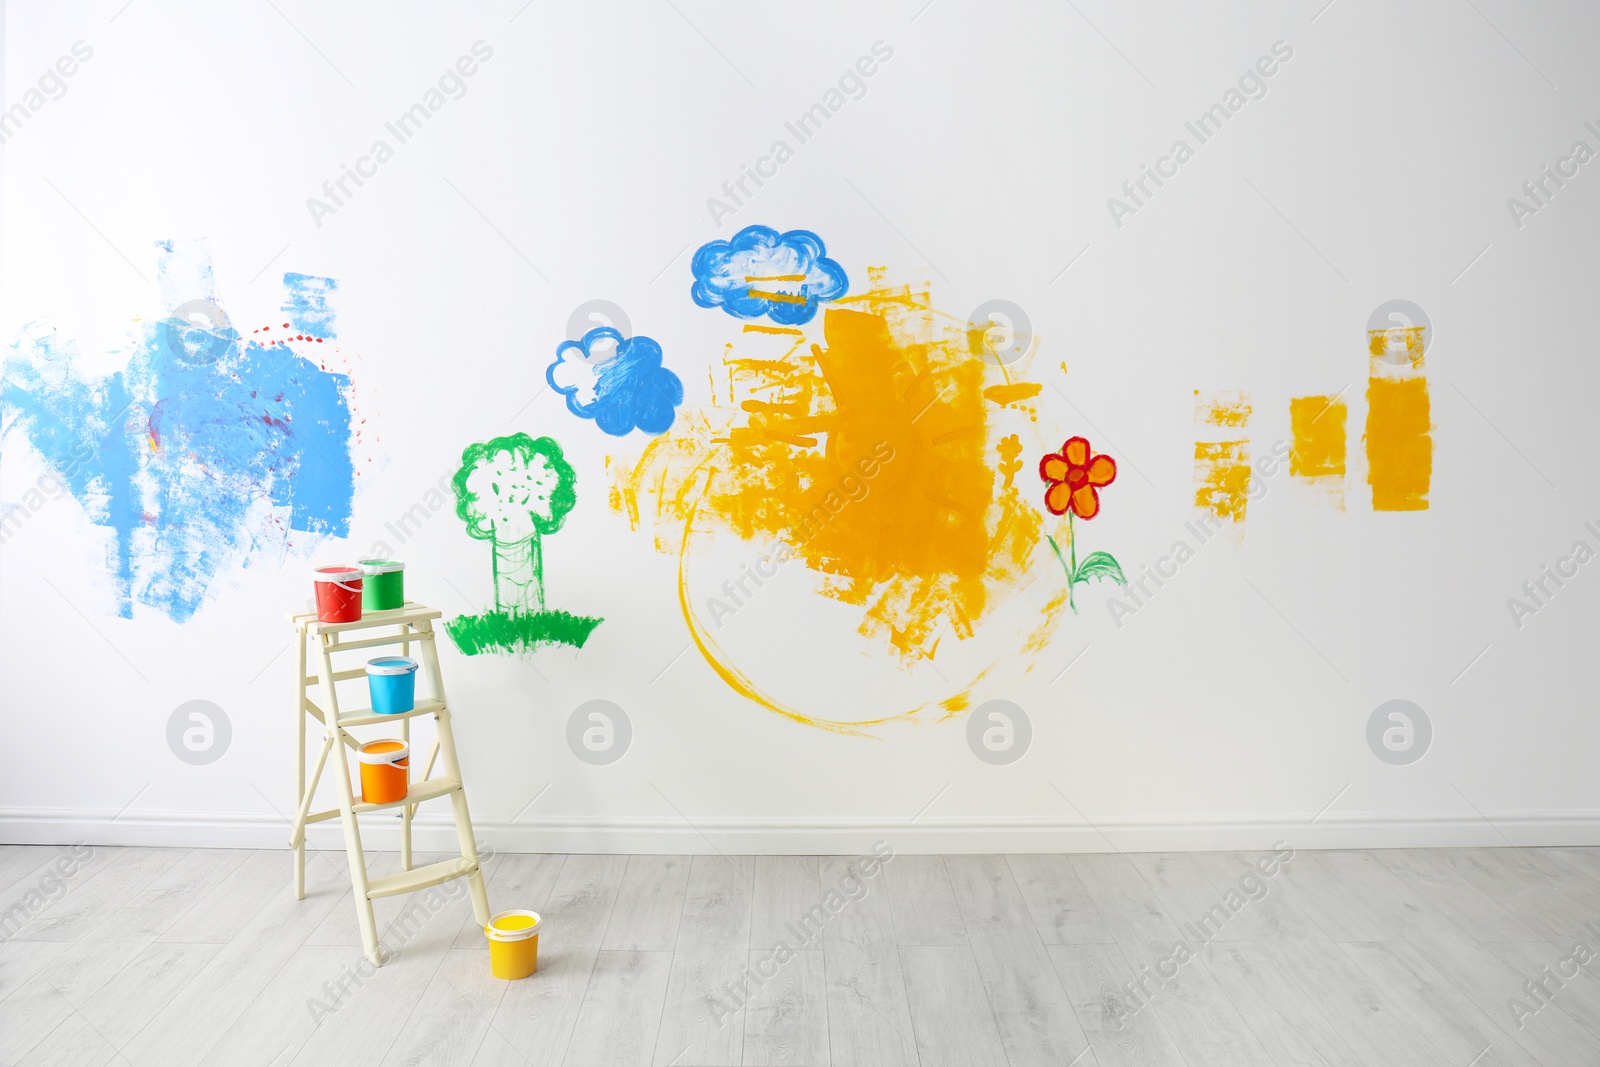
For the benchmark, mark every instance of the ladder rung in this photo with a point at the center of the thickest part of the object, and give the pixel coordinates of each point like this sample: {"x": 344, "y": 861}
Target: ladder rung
{"x": 366, "y": 716}
{"x": 339, "y": 676}
{"x": 421, "y": 877}
{"x": 420, "y": 791}
{"x": 376, "y": 642}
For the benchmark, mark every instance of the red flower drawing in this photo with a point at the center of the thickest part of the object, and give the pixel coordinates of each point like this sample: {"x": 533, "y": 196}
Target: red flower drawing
{"x": 1075, "y": 476}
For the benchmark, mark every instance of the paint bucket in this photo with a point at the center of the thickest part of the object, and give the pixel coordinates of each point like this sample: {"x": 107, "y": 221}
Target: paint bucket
{"x": 383, "y": 586}
{"x": 513, "y": 944}
{"x": 392, "y": 683}
{"x": 338, "y": 594}
{"x": 385, "y": 768}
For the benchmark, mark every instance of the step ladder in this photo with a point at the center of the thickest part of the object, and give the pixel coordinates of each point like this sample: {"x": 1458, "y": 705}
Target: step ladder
{"x": 411, "y": 624}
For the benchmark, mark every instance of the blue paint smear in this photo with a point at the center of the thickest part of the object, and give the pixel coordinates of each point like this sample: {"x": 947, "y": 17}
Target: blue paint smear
{"x": 202, "y": 453}
{"x": 629, "y": 390}
{"x": 727, "y": 273}
{"x": 307, "y": 303}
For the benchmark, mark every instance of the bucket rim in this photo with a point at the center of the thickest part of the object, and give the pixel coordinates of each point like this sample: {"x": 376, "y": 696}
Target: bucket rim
{"x": 380, "y": 566}
{"x": 394, "y": 755}
{"x": 496, "y": 934}
{"x": 338, "y": 574}
{"x": 391, "y": 665}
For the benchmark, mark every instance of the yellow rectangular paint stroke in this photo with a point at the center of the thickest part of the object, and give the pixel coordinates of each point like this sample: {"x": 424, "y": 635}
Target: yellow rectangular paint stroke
{"x": 782, "y": 298}
{"x": 1010, "y": 394}
{"x": 1222, "y": 478}
{"x": 1399, "y": 443}
{"x": 1223, "y": 408}
{"x": 1398, "y": 345}
{"x": 1317, "y": 432}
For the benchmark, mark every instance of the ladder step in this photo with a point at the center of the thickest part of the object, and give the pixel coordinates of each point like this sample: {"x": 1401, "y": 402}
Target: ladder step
{"x": 411, "y": 612}
{"x": 366, "y": 716}
{"x": 420, "y": 791}
{"x": 415, "y": 637}
{"x": 421, "y": 877}
{"x": 339, "y": 676}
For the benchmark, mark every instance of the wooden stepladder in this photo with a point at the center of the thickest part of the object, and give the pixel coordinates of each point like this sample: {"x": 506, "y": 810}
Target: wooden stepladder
{"x": 411, "y": 624}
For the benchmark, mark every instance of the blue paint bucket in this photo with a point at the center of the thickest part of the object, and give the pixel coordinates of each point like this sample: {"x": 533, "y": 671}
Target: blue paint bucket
{"x": 392, "y": 681}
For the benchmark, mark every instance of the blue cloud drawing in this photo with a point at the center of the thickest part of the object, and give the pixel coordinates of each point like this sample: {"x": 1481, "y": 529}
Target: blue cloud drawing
{"x": 617, "y": 381}
{"x": 784, "y": 276}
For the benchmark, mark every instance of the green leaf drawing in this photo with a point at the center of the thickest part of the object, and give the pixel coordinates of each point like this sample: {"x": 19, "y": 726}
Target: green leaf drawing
{"x": 1099, "y": 565}
{"x": 1059, "y": 557}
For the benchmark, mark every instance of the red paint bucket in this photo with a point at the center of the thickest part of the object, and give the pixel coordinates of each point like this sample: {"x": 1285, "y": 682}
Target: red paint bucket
{"x": 338, "y": 594}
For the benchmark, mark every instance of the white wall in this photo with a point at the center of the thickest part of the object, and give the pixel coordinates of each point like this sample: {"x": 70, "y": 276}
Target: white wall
{"x": 1227, "y": 713}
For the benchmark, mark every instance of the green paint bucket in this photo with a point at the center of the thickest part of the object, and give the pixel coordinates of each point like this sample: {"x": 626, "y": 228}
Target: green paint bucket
{"x": 383, "y": 587}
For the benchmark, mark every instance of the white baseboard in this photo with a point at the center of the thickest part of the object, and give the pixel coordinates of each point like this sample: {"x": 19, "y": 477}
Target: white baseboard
{"x": 744, "y": 836}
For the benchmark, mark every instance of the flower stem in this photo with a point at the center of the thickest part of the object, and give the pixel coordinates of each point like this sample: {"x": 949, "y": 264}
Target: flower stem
{"x": 1072, "y": 543}
{"x": 1072, "y": 567}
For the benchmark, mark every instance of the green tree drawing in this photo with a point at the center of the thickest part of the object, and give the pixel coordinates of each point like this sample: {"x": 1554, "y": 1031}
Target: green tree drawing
{"x": 513, "y": 492}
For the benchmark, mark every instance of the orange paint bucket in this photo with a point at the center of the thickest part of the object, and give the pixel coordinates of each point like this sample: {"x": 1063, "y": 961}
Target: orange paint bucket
{"x": 513, "y": 944}
{"x": 385, "y": 770}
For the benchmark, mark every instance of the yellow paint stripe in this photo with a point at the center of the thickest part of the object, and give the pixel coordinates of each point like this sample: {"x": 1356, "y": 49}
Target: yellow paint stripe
{"x": 1399, "y": 345}
{"x": 1010, "y": 394}
{"x": 782, "y": 298}
{"x": 1317, "y": 433}
{"x": 1399, "y": 443}
{"x": 774, "y": 277}
{"x": 956, "y": 435}
{"x": 1224, "y": 408}
{"x": 946, "y": 502}
{"x": 752, "y": 328}
{"x": 793, "y": 439}
{"x": 1222, "y": 478}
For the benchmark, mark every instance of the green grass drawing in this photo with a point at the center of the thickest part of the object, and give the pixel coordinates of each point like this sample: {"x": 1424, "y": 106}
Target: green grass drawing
{"x": 515, "y": 632}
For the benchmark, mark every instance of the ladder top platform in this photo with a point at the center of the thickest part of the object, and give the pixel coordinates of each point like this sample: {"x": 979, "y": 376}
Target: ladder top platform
{"x": 410, "y": 612}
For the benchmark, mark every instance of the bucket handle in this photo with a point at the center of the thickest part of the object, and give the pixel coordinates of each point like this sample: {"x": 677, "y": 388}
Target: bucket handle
{"x": 341, "y": 585}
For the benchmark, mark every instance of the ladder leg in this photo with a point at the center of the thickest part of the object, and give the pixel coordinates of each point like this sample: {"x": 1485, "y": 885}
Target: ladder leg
{"x": 298, "y": 838}
{"x": 347, "y": 802}
{"x": 452, "y": 768}
{"x": 410, "y": 809}
{"x": 405, "y": 835}
{"x": 358, "y": 862}
{"x": 458, "y": 802}
{"x": 469, "y": 849}
{"x": 300, "y": 759}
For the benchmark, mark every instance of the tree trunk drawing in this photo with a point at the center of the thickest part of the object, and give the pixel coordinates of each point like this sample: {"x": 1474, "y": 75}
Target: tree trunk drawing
{"x": 519, "y": 576}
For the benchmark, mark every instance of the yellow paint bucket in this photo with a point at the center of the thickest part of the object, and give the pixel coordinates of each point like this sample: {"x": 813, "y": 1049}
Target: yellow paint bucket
{"x": 513, "y": 944}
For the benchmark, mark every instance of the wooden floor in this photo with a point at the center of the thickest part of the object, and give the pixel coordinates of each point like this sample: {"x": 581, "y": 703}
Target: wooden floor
{"x": 1454, "y": 958}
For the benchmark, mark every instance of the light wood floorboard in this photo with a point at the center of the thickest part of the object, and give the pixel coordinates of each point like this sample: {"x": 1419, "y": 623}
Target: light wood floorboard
{"x": 1427, "y": 958}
